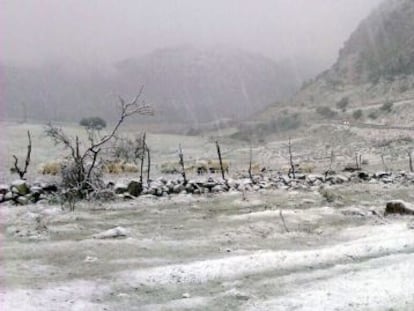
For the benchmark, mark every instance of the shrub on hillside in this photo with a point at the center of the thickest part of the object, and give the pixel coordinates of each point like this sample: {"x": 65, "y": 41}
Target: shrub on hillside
{"x": 357, "y": 114}
{"x": 372, "y": 115}
{"x": 387, "y": 107}
{"x": 326, "y": 112}
{"x": 343, "y": 103}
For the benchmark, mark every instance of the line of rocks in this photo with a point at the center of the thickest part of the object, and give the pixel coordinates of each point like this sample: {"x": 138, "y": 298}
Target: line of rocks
{"x": 20, "y": 192}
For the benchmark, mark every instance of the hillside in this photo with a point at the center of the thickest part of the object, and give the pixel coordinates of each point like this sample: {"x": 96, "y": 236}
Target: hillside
{"x": 372, "y": 80}
{"x": 183, "y": 84}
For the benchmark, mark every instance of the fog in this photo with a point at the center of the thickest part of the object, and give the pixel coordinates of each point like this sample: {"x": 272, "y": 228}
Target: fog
{"x": 198, "y": 60}
{"x": 107, "y": 31}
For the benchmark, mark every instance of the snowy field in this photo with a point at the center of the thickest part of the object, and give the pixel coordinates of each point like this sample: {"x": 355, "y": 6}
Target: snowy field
{"x": 212, "y": 253}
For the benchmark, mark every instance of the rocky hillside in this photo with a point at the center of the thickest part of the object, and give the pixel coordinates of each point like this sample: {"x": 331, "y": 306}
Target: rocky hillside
{"x": 372, "y": 80}
{"x": 183, "y": 84}
{"x": 381, "y": 48}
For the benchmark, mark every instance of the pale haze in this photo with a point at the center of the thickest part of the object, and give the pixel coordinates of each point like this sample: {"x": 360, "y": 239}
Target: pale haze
{"x": 107, "y": 31}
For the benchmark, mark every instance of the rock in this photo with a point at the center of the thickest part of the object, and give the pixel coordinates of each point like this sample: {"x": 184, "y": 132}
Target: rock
{"x": 217, "y": 188}
{"x": 36, "y": 189}
{"x": 159, "y": 191}
{"x": 363, "y": 175}
{"x": 152, "y": 191}
{"x": 162, "y": 180}
{"x": 8, "y": 196}
{"x": 50, "y": 188}
{"x": 116, "y": 232}
{"x": 134, "y": 188}
{"x": 300, "y": 176}
{"x": 90, "y": 259}
{"x": 4, "y": 189}
{"x": 189, "y": 188}
{"x": 398, "y": 207}
{"x": 178, "y": 188}
{"x": 337, "y": 179}
{"x": 120, "y": 188}
{"x": 209, "y": 185}
{"x": 22, "y": 200}
{"x": 232, "y": 183}
{"x": 381, "y": 174}
{"x": 387, "y": 180}
{"x": 35, "y": 196}
{"x": 312, "y": 178}
{"x": 285, "y": 179}
{"x": 186, "y": 295}
{"x": 20, "y": 187}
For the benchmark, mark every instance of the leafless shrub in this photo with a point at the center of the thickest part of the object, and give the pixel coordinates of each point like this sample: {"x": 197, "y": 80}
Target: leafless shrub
{"x": 82, "y": 173}
{"x": 127, "y": 149}
{"x": 17, "y": 169}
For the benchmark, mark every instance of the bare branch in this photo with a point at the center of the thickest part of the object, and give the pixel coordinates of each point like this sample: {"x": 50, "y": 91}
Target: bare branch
{"x": 250, "y": 164}
{"x": 127, "y": 110}
{"x": 292, "y": 166}
{"x": 283, "y": 221}
{"x": 181, "y": 157}
{"x": 17, "y": 169}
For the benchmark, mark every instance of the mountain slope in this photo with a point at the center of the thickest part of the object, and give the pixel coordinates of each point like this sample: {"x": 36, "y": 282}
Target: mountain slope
{"x": 375, "y": 68}
{"x": 381, "y": 47}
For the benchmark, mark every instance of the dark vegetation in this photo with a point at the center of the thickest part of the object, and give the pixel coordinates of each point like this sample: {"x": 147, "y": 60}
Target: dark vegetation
{"x": 326, "y": 112}
{"x": 283, "y": 123}
{"x": 94, "y": 123}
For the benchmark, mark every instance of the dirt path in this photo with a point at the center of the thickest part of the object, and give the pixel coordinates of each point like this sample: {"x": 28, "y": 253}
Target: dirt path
{"x": 211, "y": 253}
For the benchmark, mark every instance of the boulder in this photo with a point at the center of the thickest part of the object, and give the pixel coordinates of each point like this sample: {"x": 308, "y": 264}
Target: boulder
{"x": 134, "y": 188}
{"x": 120, "y": 188}
{"x": 8, "y": 196}
{"x": 20, "y": 187}
{"x": 22, "y": 200}
{"x": 178, "y": 188}
{"x": 189, "y": 188}
{"x": 50, "y": 188}
{"x": 116, "y": 232}
{"x": 363, "y": 175}
{"x": 337, "y": 179}
{"x": 4, "y": 189}
{"x": 398, "y": 207}
{"x": 312, "y": 178}
{"x": 381, "y": 174}
{"x": 217, "y": 188}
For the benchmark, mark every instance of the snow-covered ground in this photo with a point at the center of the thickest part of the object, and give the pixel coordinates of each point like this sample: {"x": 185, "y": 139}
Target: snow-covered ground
{"x": 212, "y": 253}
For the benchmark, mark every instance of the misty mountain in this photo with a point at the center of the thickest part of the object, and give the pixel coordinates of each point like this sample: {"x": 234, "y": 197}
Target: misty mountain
{"x": 375, "y": 67}
{"x": 382, "y": 47}
{"x": 183, "y": 84}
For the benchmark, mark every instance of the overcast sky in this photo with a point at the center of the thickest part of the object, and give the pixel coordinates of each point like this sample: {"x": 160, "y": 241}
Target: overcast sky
{"x": 99, "y": 31}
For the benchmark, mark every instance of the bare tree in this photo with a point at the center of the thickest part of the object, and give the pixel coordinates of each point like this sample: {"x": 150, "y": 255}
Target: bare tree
{"x": 410, "y": 160}
{"x": 22, "y": 171}
{"x": 149, "y": 163}
{"x": 80, "y": 174}
{"x": 292, "y": 165}
{"x": 181, "y": 157}
{"x": 250, "y": 164}
{"x": 331, "y": 161}
{"x": 142, "y": 157}
{"x": 220, "y": 160}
